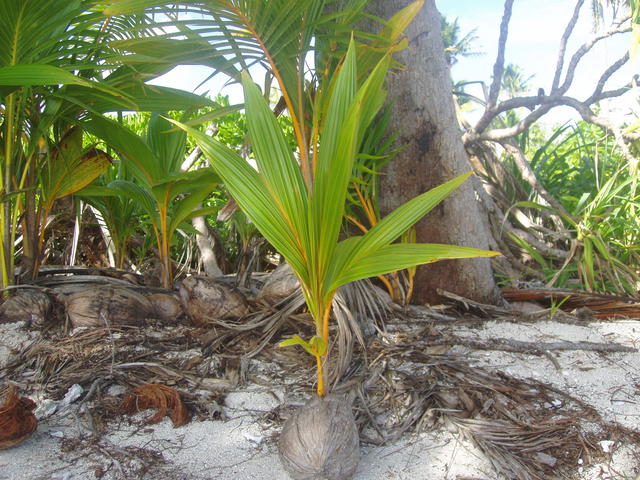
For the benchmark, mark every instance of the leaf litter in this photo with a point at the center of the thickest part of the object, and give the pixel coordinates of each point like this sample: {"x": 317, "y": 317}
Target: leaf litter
{"x": 409, "y": 381}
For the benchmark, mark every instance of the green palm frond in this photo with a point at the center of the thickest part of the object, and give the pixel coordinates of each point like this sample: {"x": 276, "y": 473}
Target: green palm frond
{"x": 303, "y": 223}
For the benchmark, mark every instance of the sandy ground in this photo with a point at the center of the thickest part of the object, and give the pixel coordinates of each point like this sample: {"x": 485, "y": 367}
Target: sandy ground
{"x": 242, "y": 445}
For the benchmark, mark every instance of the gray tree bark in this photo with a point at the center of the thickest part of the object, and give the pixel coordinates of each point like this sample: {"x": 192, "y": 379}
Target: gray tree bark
{"x": 433, "y": 152}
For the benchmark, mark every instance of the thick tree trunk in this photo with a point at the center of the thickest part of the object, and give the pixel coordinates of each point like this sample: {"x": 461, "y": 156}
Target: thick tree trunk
{"x": 424, "y": 116}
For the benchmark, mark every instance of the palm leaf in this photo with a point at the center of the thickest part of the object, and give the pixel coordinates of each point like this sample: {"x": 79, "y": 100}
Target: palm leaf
{"x": 402, "y": 218}
{"x": 252, "y": 195}
{"x": 167, "y": 144}
{"x": 391, "y": 258}
{"x": 71, "y": 168}
{"x": 188, "y": 207}
{"x": 143, "y": 162}
{"x": 276, "y": 164}
{"x": 138, "y": 97}
{"x": 38, "y": 74}
{"x": 138, "y": 194}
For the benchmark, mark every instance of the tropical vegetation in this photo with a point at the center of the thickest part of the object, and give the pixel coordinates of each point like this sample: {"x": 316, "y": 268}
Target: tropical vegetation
{"x": 317, "y": 132}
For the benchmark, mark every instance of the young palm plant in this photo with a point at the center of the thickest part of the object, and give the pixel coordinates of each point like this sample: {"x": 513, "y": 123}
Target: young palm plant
{"x": 169, "y": 196}
{"x": 56, "y": 66}
{"x": 118, "y": 216}
{"x": 304, "y": 222}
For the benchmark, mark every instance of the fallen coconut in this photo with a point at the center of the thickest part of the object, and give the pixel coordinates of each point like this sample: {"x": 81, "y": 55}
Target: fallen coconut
{"x": 107, "y": 307}
{"x": 26, "y": 305}
{"x": 166, "y": 306}
{"x": 320, "y": 440}
{"x": 206, "y": 299}
{"x": 280, "y": 284}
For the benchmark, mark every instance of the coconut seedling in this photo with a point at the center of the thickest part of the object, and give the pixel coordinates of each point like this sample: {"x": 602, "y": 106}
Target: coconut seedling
{"x": 169, "y": 196}
{"x": 303, "y": 222}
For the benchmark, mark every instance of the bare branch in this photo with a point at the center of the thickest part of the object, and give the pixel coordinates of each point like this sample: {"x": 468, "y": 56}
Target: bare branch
{"x": 545, "y": 104}
{"x": 498, "y": 68}
{"x": 498, "y": 134}
{"x": 493, "y": 109}
{"x": 595, "y": 96}
{"x": 563, "y": 45}
{"x": 530, "y": 102}
{"x": 589, "y": 116}
{"x": 616, "y": 93}
{"x": 521, "y": 162}
{"x": 581, "y": 52}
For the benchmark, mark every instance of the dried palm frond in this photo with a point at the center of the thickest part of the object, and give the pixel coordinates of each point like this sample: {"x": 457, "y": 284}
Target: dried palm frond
{"x": 128, "y": 356}
{"x": 407, "y": 387}
{"x": 513, "y": 448}
{"x": 360, "y": 309}
{"x": 266, "y": 323}
{"x": 602, "y": 305}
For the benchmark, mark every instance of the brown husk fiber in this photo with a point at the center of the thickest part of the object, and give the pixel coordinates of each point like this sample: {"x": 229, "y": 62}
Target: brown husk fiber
{"x": 17, "y": 421}
{"x": 161, "y": 397}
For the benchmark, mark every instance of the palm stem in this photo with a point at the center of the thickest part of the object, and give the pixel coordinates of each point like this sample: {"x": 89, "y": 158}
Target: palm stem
{"x": 325, "y": 338}
{"x": 320, "y": 390}
{"x": 5, "y": 179}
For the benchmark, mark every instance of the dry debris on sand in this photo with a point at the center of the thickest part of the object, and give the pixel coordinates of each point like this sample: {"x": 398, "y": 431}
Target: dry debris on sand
{"x": 438, "y": 396}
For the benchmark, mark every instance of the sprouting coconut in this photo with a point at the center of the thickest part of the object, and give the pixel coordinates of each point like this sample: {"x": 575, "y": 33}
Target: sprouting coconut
{"x": 166, "y": 305}
{"x": 298, "y": 204}
{"x": 281, "y": 283}
{"x": 320, "y": 440}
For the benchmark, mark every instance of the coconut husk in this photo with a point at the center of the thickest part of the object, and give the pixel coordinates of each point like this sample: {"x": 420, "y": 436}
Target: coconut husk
{"x": 108, "y": 306}
{"x": 166, "y": 306}
{"x": 280, "y": 284}
{"x": 17, "y": 421}
{"x": 161, "y": 397}
{"x": 206, "y": 299}
{"x": 320, "y": 440}
{"x": 26, "y": 305}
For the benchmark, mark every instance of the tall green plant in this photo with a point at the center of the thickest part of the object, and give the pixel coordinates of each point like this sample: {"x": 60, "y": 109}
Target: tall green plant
{"x": 167, "y": 195}
{"x": 582, "y": 168}
{"x": 120, "y": 215}
{"x": 303, "y": 221}
{"x": 279, "y": 35}
{"x": 56, "y": 66}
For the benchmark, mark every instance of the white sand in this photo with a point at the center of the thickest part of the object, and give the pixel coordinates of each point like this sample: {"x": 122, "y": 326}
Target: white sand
{"x": 242, "y": 446}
